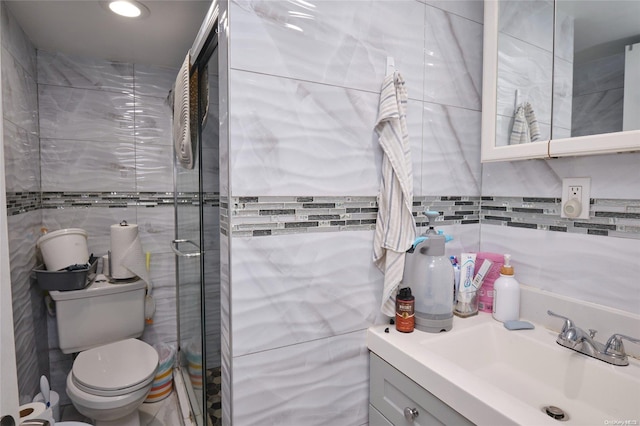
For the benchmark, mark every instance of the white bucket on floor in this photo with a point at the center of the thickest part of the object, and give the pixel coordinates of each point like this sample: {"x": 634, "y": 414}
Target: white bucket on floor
{"x": 63, "y": 248}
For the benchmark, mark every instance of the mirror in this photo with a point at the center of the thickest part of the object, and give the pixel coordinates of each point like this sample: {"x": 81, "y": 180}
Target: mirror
{"x": 555, "y": 82}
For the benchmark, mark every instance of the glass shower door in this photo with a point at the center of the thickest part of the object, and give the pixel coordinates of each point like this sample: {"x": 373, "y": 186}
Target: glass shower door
{"x": 189, "y": 272}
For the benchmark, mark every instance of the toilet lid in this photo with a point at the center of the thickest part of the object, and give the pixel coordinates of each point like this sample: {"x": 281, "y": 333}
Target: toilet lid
{"x": 117, "y": 366}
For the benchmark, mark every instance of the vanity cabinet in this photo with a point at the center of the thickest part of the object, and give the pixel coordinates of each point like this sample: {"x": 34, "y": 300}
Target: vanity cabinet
{"x": 395, "y": 399}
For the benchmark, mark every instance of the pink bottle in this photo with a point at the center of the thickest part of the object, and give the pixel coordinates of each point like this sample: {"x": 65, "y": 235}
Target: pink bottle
{"x": 485, "y": 296}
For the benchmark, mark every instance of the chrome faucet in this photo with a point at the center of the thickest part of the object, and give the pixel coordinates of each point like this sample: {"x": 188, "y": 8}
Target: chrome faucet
{"x": 577, "y": 339}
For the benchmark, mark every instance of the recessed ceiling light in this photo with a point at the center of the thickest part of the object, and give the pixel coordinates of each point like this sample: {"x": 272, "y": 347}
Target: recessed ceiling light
{"x": 126, "y": 8}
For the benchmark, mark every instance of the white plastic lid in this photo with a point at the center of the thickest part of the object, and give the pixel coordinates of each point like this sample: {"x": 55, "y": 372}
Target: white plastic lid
{"x": 68, "y": 231}
{"x": 100, "y": 287}
{"x": 118, "y": 365}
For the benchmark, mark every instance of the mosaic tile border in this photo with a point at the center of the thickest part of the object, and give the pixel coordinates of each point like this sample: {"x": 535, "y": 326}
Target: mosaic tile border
{"x": 607, "y": 217}
{"x": 264, "y": 216}
{"x": 23, "y": 202}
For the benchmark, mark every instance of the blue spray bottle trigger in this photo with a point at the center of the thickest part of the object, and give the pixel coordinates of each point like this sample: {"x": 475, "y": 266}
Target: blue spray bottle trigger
{"x": 418, "y": 241}
{"x": 447, "y": 238}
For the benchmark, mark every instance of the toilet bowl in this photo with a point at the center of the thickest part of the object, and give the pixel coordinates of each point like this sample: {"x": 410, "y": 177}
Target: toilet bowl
{"x": 110, "y": 382}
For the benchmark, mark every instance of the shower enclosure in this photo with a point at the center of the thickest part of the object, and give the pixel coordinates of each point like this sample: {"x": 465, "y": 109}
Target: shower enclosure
{"x": 197, "y": 237}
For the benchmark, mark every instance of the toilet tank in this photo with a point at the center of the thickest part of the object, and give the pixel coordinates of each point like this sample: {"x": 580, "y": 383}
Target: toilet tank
{"x": 99, "y": 314}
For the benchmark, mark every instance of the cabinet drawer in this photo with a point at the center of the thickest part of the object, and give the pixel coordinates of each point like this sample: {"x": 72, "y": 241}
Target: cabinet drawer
{"x": 390, "y": 392}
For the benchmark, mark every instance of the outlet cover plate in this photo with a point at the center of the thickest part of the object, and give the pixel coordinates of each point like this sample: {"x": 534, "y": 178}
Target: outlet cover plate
{"x": 585, "y": 202}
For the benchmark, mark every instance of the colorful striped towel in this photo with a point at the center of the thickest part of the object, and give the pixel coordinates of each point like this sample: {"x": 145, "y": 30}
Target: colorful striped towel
{"x": 395, "y": 226}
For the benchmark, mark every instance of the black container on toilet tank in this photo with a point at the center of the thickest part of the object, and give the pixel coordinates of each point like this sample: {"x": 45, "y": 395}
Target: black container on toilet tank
{"x": 430, "y": 275}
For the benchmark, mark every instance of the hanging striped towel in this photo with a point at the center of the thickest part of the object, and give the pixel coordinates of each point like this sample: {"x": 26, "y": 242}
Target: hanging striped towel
{"x": 532, "y": 122}
{"x": 525, "y": 125}
{"x": 183, "y": 144}
{"x": 395, "y": 225}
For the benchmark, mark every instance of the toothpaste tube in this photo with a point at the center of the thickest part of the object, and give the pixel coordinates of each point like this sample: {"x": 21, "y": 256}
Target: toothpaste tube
{"x": 466, "y": 271}
{"x": 482, "y": 272}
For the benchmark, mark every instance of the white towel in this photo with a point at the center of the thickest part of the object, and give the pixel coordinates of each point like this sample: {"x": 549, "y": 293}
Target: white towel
{"x": 395, "y": 225}
{"x": 182, "y": 118}
{"x": 525, "y": 125}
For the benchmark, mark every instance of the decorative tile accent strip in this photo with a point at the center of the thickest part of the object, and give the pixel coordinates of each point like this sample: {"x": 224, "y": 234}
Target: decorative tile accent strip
{"x": 22, "y": 202}
{"x": 56, "y": 200}
{"x": 264, "y": 216}
{"x": 613, "y": 218}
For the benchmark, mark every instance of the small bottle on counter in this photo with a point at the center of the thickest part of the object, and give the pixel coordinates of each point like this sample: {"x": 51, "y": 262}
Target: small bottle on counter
{"x": 506, "y": 294}
{"x": 405, "y": 310}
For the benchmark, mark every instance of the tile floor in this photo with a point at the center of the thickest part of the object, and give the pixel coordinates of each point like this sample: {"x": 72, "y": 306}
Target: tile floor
{"x": 214, "y": 397}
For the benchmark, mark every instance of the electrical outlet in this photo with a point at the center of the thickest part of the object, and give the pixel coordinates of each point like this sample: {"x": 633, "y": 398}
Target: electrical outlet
{"x": 575, "y": 192}
{"x": 575, "y": 198}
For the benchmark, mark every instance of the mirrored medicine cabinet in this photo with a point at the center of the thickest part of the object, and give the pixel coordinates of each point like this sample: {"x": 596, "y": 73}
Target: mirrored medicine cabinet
{"x": 560, "y": 78}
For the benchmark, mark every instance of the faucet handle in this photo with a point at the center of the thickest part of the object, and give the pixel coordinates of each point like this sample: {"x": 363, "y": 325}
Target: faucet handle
{"x": 568, "y": 323}
{"x": 615, "y": 347}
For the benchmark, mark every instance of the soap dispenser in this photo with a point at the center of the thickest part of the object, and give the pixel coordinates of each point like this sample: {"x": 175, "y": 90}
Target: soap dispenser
{"x": 430, "y": 275}
{"x": 506, "y": 294}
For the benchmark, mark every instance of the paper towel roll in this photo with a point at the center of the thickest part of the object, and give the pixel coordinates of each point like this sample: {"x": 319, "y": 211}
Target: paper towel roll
{"x": 127, "y": 257}
{"x": 36, "y": 410}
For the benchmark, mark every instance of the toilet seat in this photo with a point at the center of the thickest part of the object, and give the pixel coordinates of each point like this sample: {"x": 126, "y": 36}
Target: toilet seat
{"x": 116, "y": 368}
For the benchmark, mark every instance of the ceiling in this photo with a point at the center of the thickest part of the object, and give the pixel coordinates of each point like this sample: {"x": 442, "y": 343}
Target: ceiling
{"x": 85, "y": 28}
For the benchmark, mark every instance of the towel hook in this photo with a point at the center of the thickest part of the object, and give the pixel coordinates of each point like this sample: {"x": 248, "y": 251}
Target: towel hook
{"x": 391, "y": 65}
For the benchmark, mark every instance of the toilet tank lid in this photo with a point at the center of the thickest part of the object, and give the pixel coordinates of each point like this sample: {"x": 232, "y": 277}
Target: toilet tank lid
{"x": 97, "y": 288}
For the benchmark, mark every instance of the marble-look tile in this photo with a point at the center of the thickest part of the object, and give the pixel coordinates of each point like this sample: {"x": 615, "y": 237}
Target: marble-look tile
{"x": 451, "y": 151}
{"x": 316, "y": 286}
{"x": 528, "y": 21}
{"x": 96, "y": 221}
{"x": 211, "y": 226}
{"x": 612, "y": 176}
{"x": 285, "y": 135}
{"x": 61, "y": 366}
{"x": 82, "y": 165}
{"x": 223, "y": 98}
{"x": 19, "y": 94}
{"x": 453, "y": 60}
{"x": 14, "y": 39}
{"x": 470, "y": 9}
{"x": 153, "y": 120}
{"x": 565, "y": 32}
{"x": 597, "y": 113}
{"x": 151, "y": 80}
{"x": 21, "y": 159}
{"x": 599, "y": 75}
{"x": 532, "y": 253}
{"x": 527, "y": 68}
{"x": 416, "y": 138}
{"x": 81, "y": 72}
{"x": 156, "y": 228}
{"x": 316, "y": 383}
{"x": 225, "y": 328}
{"x": 349, "y": 40}
{"x": 154, "y": 167}
{"x": 23, "y": 232}
{"x": 83, "y": 114}
{"x": 562, "y": 94}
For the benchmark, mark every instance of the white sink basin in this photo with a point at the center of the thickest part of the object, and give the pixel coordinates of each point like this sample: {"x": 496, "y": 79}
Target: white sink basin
{"x": 495, "y": 376}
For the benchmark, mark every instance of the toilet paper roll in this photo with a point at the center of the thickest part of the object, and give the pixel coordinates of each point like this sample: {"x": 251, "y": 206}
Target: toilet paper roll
{"x": 54, "y": 400}
{"x": 36, "y": 410}
{"x": 127, "y": 257}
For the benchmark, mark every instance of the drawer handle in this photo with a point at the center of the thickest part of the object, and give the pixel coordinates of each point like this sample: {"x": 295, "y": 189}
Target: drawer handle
{"x": 410, "y": 414}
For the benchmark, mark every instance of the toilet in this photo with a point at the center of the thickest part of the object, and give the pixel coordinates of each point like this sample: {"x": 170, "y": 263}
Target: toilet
{"x": 113, "y": 372}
